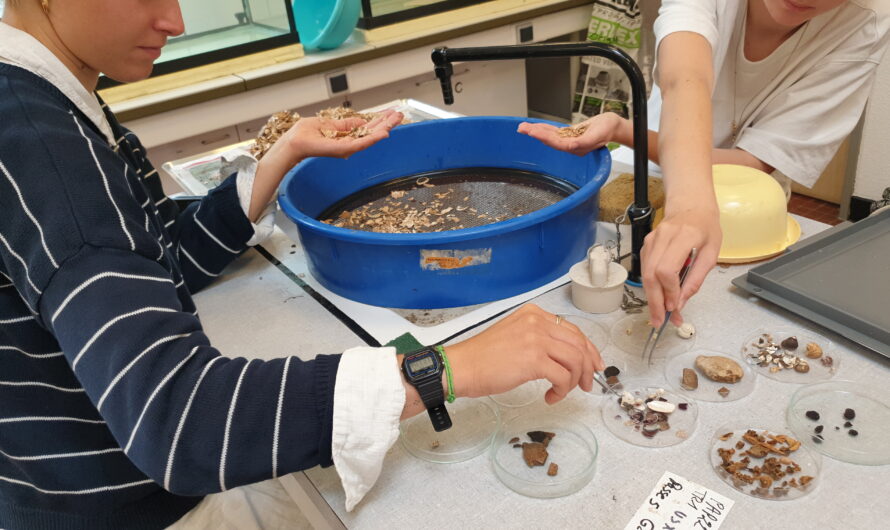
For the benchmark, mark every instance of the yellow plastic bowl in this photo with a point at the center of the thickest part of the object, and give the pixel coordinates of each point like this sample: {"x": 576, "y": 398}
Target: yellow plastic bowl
{"x": 753, "y": 215}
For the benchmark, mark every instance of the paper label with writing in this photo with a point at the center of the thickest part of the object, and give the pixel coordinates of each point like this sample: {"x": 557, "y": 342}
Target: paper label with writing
{"x": 678, "y": 504}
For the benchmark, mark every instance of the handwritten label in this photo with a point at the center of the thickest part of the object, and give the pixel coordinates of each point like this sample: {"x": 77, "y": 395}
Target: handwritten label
{"x": 678, "y": 504}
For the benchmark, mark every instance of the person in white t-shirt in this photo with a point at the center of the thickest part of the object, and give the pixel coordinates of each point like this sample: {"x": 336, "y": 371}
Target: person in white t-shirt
{"x": 772, "y": 84}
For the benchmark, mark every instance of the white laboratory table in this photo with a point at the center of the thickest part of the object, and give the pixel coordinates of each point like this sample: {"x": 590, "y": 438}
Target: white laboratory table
{"x": 259, "y": 309}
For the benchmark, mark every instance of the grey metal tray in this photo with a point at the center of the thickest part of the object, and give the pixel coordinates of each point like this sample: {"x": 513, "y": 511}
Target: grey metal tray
{"x": 839, "y": 279}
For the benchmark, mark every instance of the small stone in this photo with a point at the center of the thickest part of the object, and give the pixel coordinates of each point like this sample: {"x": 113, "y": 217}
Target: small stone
{"x": 661, "y": 406}
{"x": 435, "y": 444}
{"x": 802, "y": 366}
{"x": 612, "y": 380}
{"x": 853, "y": 432}
{"x": 611, "y": 371}
{"x": 814, "y": 351}
{"x": 686, "y": 330}
{"x": 847, "y": 424}
{"x": 813, "y": 415}
{"x": 513, "y": 440}
{"x": 682, "y": 406}
{"x": 817, "y": 438}
{"x": 516, "y": 446}
{"x": 682, "y": 434}
{"x": 553, "y": 469}
{"x": 849, "y": 414}
{"x": 837, "y": 428}
{"x": 720, "y": 369}
{"x": 818, "y": 429}
{"x": 723, "y": 391}
{"x": 790, "y": 344}
{"x": 690, "y": 379}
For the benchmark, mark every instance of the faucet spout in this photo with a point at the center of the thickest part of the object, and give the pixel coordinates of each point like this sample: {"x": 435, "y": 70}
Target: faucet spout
{"x": 640, "y": 212}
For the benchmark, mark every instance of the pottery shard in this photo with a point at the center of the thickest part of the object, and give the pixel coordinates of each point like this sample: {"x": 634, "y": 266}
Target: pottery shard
{"x": 720, "y": 369}
{"x": 534, "y": 453}
{"x": 690, "y": 379}
{"x": 553, "y": 469}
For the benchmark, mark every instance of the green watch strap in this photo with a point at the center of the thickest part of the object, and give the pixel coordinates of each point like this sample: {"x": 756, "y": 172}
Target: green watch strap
{"x": 450, "y": 397}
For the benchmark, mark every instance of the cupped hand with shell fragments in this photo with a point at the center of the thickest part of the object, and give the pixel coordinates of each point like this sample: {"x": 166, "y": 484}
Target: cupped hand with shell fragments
{"x": 578, "y": 139}
{"x": 337, "y": 138}
{"x": 310, "y": 137}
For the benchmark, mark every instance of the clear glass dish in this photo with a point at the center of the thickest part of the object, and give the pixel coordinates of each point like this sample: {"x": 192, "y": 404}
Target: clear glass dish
{"x": 820, "y": 369}
{"x": 630, "y": 335}
{"x": 860, "y": 439}
{"x": 522, "y": 395}
{"x": 707, "y": 390}
{"x": 729, "y": 435}
{"x": 596, "y": 332}
{"x": 574, "y": 450}
{"x": 681, "y": 423}
{"x": 474, "y": 424}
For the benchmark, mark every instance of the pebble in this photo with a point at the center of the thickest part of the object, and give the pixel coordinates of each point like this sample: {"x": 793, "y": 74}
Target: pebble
{"x": 813, "y": 415}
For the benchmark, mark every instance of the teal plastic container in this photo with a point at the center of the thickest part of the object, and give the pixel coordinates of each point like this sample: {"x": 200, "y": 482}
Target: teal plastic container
{"x": 325, "y": 24}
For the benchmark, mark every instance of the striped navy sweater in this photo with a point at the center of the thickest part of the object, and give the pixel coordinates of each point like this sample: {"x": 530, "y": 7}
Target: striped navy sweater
{"x": 115, "y": 410}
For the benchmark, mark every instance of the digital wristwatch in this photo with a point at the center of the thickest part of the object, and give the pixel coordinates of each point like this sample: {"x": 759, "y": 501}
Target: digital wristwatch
{"x": 423, "y": 369}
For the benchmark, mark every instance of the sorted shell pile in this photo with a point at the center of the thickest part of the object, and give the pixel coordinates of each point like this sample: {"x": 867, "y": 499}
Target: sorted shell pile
{"x": 403, "y": 214}
{"x": 766, "y": 352}
{"x": 650, "y": 416}
{"x": 760, "y": 461}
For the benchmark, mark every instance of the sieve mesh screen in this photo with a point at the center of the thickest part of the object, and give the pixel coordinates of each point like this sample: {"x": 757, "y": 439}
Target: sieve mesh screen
{"x": 447, "y": 200}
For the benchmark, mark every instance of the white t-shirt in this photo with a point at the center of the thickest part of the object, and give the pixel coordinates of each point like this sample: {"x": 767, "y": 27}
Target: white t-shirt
{"x": 795, "y": 107}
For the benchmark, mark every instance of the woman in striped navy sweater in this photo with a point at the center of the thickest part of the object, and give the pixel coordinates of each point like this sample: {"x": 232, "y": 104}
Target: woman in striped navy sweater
{"x": 115, "y": 410}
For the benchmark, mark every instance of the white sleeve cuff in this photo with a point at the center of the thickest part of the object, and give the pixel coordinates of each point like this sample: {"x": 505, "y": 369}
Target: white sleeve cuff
{"x": 368, "y": 400}
{"x": 245, "y": 164}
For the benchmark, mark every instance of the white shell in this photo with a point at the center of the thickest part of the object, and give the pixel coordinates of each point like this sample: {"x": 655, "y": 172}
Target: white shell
{"x": 662, "y": 406}
{"x": 627, "y": 399}
{"x": 686, "y": 330}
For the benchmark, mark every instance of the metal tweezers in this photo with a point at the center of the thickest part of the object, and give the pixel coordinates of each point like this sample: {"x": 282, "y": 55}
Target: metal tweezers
{"x": 655, "y": 334}
{"x": 601, "y": 380}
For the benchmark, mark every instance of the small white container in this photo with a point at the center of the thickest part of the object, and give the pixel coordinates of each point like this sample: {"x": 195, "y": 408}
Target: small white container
{"x": 592, "y": 299}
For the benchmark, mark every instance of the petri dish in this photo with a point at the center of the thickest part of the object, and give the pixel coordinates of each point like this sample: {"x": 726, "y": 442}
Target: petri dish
{"x": 820, "y": 369}
{"x": 631, "y": 332}
{"x": 681, "y": 423}
{"x": 728, "y": 436}
{"x": 574, "y": 450}
{"x": 596, "y": 332}
{"x": 474, "y": 424}
{"x": 522, "y": 395}
{"x": 870, "y": 422}
{"x": 708, "y": 390}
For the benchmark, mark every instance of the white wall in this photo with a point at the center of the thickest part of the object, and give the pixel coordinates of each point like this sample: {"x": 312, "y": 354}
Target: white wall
{"x": 873, "y": 167}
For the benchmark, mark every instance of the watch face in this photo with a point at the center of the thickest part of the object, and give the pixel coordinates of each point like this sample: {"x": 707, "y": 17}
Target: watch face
{"x": 422, "y": 364}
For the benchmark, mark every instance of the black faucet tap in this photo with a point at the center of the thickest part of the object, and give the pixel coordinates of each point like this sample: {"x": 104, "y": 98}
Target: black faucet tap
{"x": 640, "y": 212}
